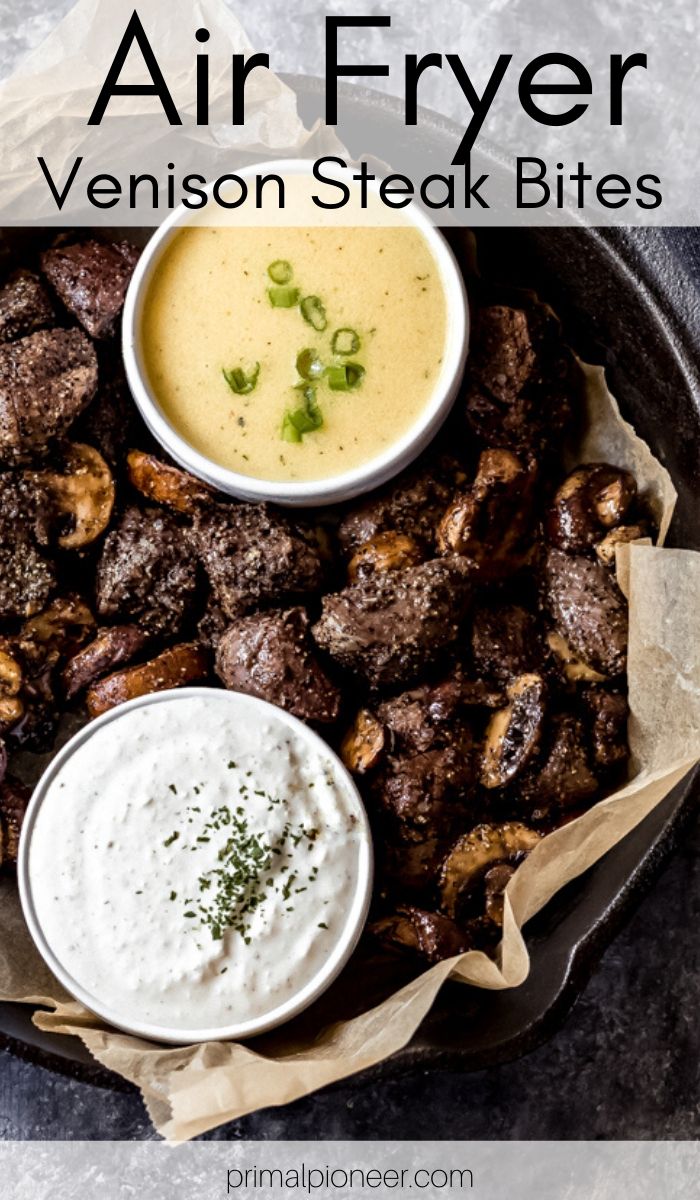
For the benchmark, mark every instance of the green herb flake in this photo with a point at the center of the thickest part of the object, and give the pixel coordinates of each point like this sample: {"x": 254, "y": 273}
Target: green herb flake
{"x": 322, "y": 925}
{"x": 241, "y": 382}
{"x": 173, "y": 838}
{"x": 173, "y": 896}
{"x": 345, "y": 342}
{"x": 280, "y": 271}
{"x": 314, "y": 313}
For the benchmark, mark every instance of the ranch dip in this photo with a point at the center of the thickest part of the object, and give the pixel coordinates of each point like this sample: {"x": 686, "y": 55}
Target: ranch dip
{"x": 195, "y": 862}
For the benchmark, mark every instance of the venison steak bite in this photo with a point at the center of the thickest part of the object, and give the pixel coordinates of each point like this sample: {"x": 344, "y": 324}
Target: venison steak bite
{"x": 588, "y": 609}
{"x": 27, "y": 576}
{"x": 91, "y": 279}
{"x": 25, "y": 306}
{"x": 270, "y": 655}
{"x": 253, "y": 556}
{"x": 147, "y": 572}
{"x": 388, "y": 628}
{"x": 412, "y": 505}
{"x": 46, "y": 380}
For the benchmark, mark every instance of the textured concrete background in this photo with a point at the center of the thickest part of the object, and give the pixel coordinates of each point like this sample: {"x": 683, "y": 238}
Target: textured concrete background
{"x": 626, "y": 1063}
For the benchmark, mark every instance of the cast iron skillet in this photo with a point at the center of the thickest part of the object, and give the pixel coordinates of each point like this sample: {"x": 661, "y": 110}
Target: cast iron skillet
{"x": 629, "y": 300}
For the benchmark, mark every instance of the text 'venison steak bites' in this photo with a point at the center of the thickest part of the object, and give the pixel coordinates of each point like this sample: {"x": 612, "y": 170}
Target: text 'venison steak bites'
{"x": 459, "y": 636}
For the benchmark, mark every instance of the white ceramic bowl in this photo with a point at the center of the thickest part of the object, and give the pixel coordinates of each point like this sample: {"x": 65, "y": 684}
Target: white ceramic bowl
{"x": 323, "y": 491}
{"x": 357, "y": 904}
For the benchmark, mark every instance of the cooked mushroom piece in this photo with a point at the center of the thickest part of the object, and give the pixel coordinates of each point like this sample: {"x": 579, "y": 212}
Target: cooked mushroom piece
{"x": 430, "y": 935}
{"x": 55, "y": 634}
{"x": 475, "y": 853}
{"x": 621, "y": 536}
{"x": 14, "y": 799}
{"x": 271, "y": 656}
{"x": 491, "y": 523}
{"x": 496, "y": 881}
{"x": 113, "y": 647}
{"x": 588, "y": 610}
{"x": 11, "y": 681}
{"x": 165, "y": 484}
{"x": 81, "y": 493}
{"x": 513, "y": 733}
{"x": 384, "y": 552}
{"x": 592, "y": 499}
{"x": 175, "y": 667}
{"x": 364, "y": 744}
{"x": 573, "y": 667}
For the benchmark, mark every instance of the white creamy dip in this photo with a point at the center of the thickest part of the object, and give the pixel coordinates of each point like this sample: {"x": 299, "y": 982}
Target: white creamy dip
{"x": 197, "y": 861}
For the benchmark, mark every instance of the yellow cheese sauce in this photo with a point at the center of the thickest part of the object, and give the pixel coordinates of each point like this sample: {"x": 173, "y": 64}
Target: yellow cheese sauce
{"x": 208, "y": 309}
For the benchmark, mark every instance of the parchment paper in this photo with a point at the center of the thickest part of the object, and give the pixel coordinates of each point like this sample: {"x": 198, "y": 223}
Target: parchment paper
{"x": 376, "y": 1006}
{"x": 373, "y": 1010}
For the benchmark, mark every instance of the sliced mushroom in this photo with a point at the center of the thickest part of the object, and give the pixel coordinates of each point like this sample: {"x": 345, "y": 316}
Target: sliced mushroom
{"x": 176, "y": 667}
{"x": 430, "y": 935}
{"x": 11, "y": 712}
{"x": 111, "y": 648}
{"x": 82, "y": 494}
{"x": 384, "y": 552}
{"x": 621, "y": 536}
{"x": 166, "y": 484}
{"x": 477, "y": 852}
{"x": 491, "y": 524}
{"x": 364, "y": 743}
{"x": 14, "y": 798}
{"x": 10, "y": 671}
{"x": 496, "y": 881}
{"x": 55, "y": 633}
{"x": 574, "y": 668}
{"x": 513, "y": 733}
{"x": 592, "y": 499}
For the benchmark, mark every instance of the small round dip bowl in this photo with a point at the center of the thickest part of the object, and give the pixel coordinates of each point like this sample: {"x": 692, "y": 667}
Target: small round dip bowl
{"x": 394, "y": 454}
{"x": 187, "y": 911}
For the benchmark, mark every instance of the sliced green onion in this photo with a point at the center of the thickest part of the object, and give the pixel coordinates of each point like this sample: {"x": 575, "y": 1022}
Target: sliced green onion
{"x": 240, "y": 381}
{"x": 345, "y": 342}
{"x": 309, "y": 364}
{"x": 283, "y": 297}
{"x": 345, "y": 378}
{"x": 280, "y": 271}
{"x": 305, "y": 419}
{"x": 313, "y": 311}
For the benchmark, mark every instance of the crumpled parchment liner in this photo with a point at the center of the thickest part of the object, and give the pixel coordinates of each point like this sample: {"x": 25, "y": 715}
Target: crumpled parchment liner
{"x": 374, "y": 1009}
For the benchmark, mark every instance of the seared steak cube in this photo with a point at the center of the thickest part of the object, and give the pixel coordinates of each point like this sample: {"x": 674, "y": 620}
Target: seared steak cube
{"x": 588, "y": 610}
{"x": 25, "y": 306}
{"x": 270, "y": 655}
{"x": 147, "y": 572}
{"x": 46, "y": 380}
{"x": 253, "y": 556}
{"x": 91, "y": 279}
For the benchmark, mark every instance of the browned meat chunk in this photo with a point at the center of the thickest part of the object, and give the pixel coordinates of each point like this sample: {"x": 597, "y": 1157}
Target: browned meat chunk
{"x": 111, "y": 648}
{"x": 46, "y": 380}
{"x": 413, "y": 505}
{"x": 25, "y": 306}
{"x": 519, "y": 379}
{"x": 411, "y": 868}
{"x": 423, "y": 794}
{"x": 388, "y": 628}
{"x": 91, "y": 279}
{"x": 608, "y": 713}
{"x": 427, "y": 934}
{"x": 491, "y": 523}
{"x": 270, "y": 655}
{"x": 592, "y": 500}
{"x": 27, "y": 576}
{"x": 253, "y": 556}
{"x": 588, "y": 609}
{"x": 505, "y": 642}
{"x": 425, "y": 716}
{"x": 147, "y": 572}
{"x": 14, "y": 799}
{"x": 564, "y": 777}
